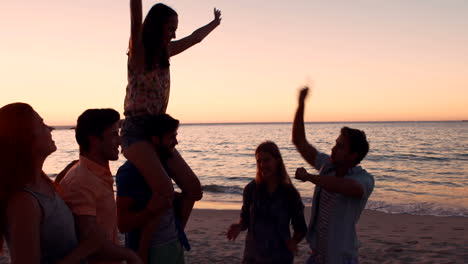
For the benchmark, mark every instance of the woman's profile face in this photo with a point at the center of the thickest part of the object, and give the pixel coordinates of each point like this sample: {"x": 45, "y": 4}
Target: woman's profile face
{"x": 42, "y": 137}
{"x": 169, "y": 29}
{"x": 267, "y": 165}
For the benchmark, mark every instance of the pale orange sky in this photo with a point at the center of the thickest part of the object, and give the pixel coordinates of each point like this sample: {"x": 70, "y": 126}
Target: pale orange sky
{"x": 369, "y": 60}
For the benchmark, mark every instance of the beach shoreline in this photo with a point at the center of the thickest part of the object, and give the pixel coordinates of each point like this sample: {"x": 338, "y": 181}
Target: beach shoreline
{"x": 385, "y": 238}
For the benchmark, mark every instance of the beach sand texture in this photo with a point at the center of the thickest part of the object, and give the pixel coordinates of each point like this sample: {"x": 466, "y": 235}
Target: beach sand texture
{"x": 385, "y": 238}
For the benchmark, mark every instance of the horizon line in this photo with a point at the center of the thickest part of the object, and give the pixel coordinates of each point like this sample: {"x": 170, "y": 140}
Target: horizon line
{"x": 290, "y": 122}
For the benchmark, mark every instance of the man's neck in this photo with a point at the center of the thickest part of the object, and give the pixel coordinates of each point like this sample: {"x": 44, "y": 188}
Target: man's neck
{"x": 97, "y": 159}
{"x": 342, "y": 170}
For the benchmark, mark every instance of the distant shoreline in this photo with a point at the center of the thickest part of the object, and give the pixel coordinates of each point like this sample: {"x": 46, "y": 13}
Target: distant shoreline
{"x": 290, "y": 123}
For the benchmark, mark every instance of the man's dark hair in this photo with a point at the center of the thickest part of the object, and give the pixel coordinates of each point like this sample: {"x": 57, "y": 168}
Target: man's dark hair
{"x": 160, "y": 125}
{"x": 93, "y": 122}
{"x": 357, "y": 142}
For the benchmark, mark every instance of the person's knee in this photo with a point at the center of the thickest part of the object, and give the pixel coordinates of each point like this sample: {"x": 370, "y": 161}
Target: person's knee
{"x": 193, "y": 196}
{"x": 193, "y": 192}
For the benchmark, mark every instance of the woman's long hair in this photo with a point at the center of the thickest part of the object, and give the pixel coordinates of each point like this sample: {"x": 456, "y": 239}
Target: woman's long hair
{"x": 154, "y": 50}
{"x": 271, "y": 148}
{"x": 16, "y": 153}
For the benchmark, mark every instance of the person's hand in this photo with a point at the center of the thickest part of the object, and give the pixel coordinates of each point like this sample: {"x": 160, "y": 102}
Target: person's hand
{"x": 303, "y": 94}
{"x": 301, "y": 174}
{"x": 217, "y": 16}
{"x": 292, "y": 246}
{"x": 233, "y": 231}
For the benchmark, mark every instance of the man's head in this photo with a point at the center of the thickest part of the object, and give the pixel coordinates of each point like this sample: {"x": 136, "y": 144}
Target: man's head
{"x": 97, "y": 131}
{"x": 350, "y": 148}
{"x": 161, "y": 130}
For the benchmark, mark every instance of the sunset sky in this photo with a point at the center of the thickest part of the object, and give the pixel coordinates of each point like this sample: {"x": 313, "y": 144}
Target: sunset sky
{"x": 372, "y": 60}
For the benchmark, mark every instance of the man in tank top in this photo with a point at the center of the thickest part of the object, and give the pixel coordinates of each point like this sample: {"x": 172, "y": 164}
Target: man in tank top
{"x": 87, "y": 187}
{"x": 341, "y": 191}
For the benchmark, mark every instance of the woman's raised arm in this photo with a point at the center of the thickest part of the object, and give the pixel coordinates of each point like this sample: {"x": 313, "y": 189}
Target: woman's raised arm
{"x": 178, "y": 46}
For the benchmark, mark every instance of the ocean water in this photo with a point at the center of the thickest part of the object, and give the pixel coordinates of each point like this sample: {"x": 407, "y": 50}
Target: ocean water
{"x": 419, "y": 167}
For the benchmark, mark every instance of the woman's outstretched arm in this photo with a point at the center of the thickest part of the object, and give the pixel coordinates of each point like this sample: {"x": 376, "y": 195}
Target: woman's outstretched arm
{"x": 136, "y": 18}
{"x": 178, "y": 46}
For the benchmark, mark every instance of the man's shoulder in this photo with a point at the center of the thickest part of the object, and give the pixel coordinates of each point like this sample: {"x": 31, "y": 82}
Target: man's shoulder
{"x": 363, "y": 176}
{"x": 77, "y": 173}
{"x": 361, "y": 172}
{"x": 127, "y": 172}
{"x": 126, "y": 169}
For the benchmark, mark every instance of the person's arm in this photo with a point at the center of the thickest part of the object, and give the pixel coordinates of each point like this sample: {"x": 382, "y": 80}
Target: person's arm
{"x": 348, "y": 187}
{"x": 146, "y": 234}
{"x": 84, "y": 249}
{"x": 307, "y": 151}
{"x": 23, "y": 218}
{"x": 178, "y": 46}
{"x": 297, "y": 221}
{"x": 128, "y": 220}
{"x": 135, "y": 48}
{"x": 159, "y": 205}
{"x": 88, "y": 229}
{"x": 244, "y": 221}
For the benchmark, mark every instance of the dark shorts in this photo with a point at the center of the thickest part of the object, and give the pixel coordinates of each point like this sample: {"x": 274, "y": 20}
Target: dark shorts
{"x": 133, "y": 130}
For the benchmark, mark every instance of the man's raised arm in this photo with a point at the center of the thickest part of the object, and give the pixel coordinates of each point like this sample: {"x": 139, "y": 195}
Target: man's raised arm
{"x": 308, "y": 152}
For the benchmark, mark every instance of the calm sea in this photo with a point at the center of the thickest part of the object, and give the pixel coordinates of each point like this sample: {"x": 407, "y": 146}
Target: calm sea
{"x": 419, "y": 167}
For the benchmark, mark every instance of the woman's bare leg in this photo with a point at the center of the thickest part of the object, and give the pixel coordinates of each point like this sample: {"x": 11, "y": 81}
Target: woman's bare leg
{"x": 187, "y": 181}
{"x": 143, "y": 155}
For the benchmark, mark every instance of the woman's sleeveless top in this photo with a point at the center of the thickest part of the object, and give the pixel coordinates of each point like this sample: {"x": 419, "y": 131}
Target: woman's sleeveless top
{"x": 58, "y": 235}
{"x": 147, "y": 92}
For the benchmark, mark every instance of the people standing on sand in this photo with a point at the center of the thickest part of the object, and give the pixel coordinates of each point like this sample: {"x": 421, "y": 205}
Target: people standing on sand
{"x": 270, "y": 204}
{"x": 341, "y": 191}
{"x": 147, "y": 94}
{"x": 87, "y": 187}
{"x": 36, "y": 223}
{"x": 134, "y": 201}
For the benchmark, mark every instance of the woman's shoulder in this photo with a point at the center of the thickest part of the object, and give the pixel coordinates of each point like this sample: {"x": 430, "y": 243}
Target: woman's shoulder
{"x": 251, "y": 184}
{"x": 22, "y": 202}
{"x": 250, "y": 187}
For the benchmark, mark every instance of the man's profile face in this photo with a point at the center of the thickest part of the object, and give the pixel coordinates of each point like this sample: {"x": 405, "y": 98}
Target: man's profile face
{"x": 109, "y": 142}
{"x": 341, "y": 152}
{"x": 167, "y": 143}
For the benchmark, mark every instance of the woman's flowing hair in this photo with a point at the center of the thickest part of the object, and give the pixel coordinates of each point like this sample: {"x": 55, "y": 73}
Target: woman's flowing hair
{"x": 16, "y": 154}
{"x": 271, "y": 148}
{"x": 155, "y": 52}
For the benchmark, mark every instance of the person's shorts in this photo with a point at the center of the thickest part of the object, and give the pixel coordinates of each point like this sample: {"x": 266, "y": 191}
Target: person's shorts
{"x": 133, "y": 130}
{"x": 170, "y": 253}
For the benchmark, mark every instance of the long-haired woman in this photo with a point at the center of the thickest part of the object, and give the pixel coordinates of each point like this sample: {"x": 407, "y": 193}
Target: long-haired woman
{"x": 271, "y": 204}
{"x": 150, "y": 49}
{"x": 36, "y": 224}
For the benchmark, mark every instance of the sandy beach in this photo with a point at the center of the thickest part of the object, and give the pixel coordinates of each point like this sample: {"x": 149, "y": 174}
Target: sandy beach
{"x": 385, "y": 238}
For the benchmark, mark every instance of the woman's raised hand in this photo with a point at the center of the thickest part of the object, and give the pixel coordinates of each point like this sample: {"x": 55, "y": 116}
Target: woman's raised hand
{"x": 217, "y": 15}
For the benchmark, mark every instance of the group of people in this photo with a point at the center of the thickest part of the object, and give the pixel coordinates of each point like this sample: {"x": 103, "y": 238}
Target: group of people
{"x": 271, "y": 203}
{"x": 76, "y": 218}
